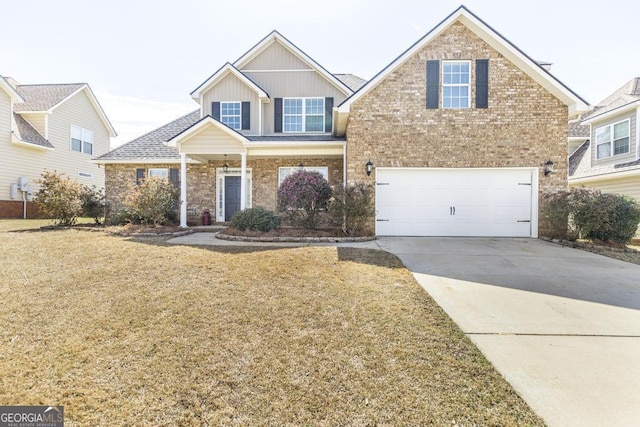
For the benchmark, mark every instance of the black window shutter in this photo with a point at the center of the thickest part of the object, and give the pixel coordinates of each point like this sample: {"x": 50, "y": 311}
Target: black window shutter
{"x": 139, "y": 176}
{"x": 328, "y": 114}
{"x": 215, "y": 110}
{"x": 174, "y": 177}
{"x": 433, "y": 83}
{"x": 277, "y": 115}
{"x": 482, "y": 83}
{"x": 246, "y": 115}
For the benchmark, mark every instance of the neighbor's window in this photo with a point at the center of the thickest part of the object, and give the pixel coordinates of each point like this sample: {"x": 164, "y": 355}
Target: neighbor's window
{"x": 303, "y": 114}
{"x": 81, "y": 140}
{"x": 612, "y": 140}
{"x": 285, "y": 172}
{"x": 231, "y": 114}
{"x": 455, "y": 84}
{"x": 159, "y": 172}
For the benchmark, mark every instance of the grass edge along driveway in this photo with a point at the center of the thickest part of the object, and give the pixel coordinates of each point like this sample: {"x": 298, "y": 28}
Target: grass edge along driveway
{"x": 136, "y": 332}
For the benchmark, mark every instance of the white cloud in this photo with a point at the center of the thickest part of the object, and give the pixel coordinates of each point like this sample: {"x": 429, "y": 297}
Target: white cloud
{"x": 132, "y": 117}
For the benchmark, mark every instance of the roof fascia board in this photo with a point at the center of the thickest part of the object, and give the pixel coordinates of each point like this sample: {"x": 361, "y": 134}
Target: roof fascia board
{"x": 276, "y": 36}
{"x": 619, "y": 110}
{"x": 94, "y": 102}
{"x": 13, "y": 94}
{"x": 608, "y": 176}
{"x": 495, "y": 40}
{"x": 141, "y": 161}
{"x": 223, "y": 72}
{"x": 199, "y": 126}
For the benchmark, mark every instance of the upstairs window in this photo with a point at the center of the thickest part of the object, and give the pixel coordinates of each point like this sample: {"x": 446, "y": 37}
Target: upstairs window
{"x": 303, "y": 114}
{"x": 231, "y": 114}
{"x": 81, "y": 140}
{"x": 455, "y": 84}
{"x": 612, "y": 140}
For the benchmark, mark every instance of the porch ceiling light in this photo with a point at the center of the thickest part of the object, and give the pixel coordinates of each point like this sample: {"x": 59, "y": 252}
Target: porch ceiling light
{"x": 225, "y": 165}
{"x": 369, "y": 167}
{"x": 548, "y": 168}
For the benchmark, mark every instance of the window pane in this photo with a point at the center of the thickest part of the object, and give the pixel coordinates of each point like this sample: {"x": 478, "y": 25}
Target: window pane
{"x": 314, "y": 106}
{"x": 603, "y": 134}
{"x": 293, "y": 106}
{"x": 621, "y": 146}
{"x": 87, "y": 147}
{"x": 76, "y": 132}
{"x": 604, "y": 150}
{"x": 160, "y": 173}
{"x": 293, "y": 123}
{"x": 621, "y": 130}
{"x": 314, "y": 124}
{"x": 76, "y": 144}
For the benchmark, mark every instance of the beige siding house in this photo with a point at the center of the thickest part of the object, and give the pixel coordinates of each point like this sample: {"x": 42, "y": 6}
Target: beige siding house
{"x": 457, "y": 135}
{"x": 608, "y": 159}
{"x": 55, "y": 127}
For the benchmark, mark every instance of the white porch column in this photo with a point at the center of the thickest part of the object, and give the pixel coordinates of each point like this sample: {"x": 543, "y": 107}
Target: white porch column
{"x": 183, "y": 190}
{"x": 243, "y": 181}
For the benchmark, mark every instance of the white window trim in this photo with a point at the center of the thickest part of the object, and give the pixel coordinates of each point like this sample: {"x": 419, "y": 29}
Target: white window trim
{"x": 161, "y": 172}
{"x": 612, "y": 139}
{"x": 239, "y": 114}
{"x": 83, "y": 139}
{"x": 324, "y": 170}
{"x": 221, "y": 174}
{"x": 304, "y": 114}
{"x": 467, "y": 85}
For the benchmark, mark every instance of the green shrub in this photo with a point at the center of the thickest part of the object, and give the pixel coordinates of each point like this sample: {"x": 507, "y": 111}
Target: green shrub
{"x": 153, "y": 201}
{"x": 353, "y": 207}
{"x": 302, "y": 195}
{"x": 93, "y": 203}
{"x": 590, "y": 214}
{"x": 255, "y": 219}
{"x": 59, "y": 198}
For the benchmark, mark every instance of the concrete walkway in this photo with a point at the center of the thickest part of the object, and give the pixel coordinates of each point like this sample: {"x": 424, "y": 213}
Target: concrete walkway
{"x": 560, "y": 324}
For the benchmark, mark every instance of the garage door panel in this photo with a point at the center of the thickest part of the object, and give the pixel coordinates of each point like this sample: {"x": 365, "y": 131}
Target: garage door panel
{"x": 454, "y": 202}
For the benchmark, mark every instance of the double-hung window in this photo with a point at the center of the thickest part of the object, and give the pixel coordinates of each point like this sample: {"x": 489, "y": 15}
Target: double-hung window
{"x": 81, "y": 140}
{"x": 455, "y": 84}
{"x": 612, "y": 139}
{"x": 231, "y": 114}
{"x": 303, "y": 114}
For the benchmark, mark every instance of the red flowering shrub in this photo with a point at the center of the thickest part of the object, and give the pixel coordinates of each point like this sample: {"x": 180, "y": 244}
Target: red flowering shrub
{"x": 302, "y": 195}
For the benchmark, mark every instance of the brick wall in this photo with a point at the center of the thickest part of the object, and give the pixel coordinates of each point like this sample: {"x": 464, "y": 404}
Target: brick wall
{"x": 524, "y": 125}
{"x": 201, "y": 182}
{"x": 14, "y": 209}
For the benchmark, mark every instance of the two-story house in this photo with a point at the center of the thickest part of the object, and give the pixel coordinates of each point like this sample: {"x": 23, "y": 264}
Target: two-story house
{"x": 459, "y": 134}
{"x": 55, "y": 127}
{"x": 608, "y": 158}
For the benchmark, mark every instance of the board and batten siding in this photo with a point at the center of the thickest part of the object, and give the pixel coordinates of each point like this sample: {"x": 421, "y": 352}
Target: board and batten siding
{"x": 232, "y": 89}
{"x": 275, "y": 57}
{"x": 20, "y": 160}
{"x": 621, "y": 158}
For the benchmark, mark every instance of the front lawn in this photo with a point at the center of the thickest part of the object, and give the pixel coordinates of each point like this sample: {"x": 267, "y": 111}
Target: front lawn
{"x": 136, "y": 332}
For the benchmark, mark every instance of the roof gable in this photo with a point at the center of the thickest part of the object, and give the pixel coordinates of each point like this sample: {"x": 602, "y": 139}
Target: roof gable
{"x": 13, "y": 94}
{"x": 251, "y": 58}
{"x": 625, "y": 98}
{"x": 45, "y": 98}
{"x": 202, "y": 124}
{"x": 493, "y": 39}
{"x": 224, "y": 71}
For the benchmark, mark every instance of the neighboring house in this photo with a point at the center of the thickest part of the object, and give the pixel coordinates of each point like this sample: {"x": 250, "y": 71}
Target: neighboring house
{"x": 457, "y": 131}
{"x": 609, "y": 157}
{"x": 55, "y": 127}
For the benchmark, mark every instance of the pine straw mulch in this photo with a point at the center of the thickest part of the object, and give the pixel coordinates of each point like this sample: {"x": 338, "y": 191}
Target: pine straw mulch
{"x": 126, "y": 331}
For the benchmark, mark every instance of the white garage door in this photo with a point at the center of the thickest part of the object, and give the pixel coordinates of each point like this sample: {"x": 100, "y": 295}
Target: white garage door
{"x": 456, "y": 202}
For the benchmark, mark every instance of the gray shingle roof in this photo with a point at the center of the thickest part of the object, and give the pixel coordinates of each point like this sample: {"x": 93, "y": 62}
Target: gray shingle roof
{"x": 152, "y": 145}
{"x": 295, "y": 137}
{"x": 578, "y": 130}
{"x": 26, "y": 133}
{"x": 353, "y": 82}
{"x": 44, "y": 97}
{"x": 628, "y": 93}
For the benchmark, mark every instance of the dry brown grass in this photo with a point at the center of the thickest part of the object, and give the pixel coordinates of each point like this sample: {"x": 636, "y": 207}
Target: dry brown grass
{"x": 135, "y": 332}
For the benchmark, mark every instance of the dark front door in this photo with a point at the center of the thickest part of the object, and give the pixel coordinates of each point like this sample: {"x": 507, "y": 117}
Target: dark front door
{"x": 231, "y": 196}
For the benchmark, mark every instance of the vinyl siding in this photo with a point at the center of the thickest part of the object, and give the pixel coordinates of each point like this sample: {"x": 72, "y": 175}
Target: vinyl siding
{"x": 5, "y": 122}
{"x": 36, "y": 120}
{"x": 211, "y": 140}
{"x": 283, "y": 84}
{"x": 230, "y": 88}
{"x": 24, "y": 161}
{"x": 622, "y": 158}
{"x": 276, "y": 57}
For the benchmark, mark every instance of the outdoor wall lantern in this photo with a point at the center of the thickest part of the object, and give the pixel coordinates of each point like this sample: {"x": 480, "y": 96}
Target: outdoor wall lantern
{"x": 369, "y": 167}
{"x": 225, "y": 165}
{"x": 548, "y": 168}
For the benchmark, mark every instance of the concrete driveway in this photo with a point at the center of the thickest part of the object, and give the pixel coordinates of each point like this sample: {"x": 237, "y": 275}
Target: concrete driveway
{"x": 560, "y": 324}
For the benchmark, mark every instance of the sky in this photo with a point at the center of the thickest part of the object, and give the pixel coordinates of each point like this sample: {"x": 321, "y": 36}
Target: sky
{"x": 142, "y": 58}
